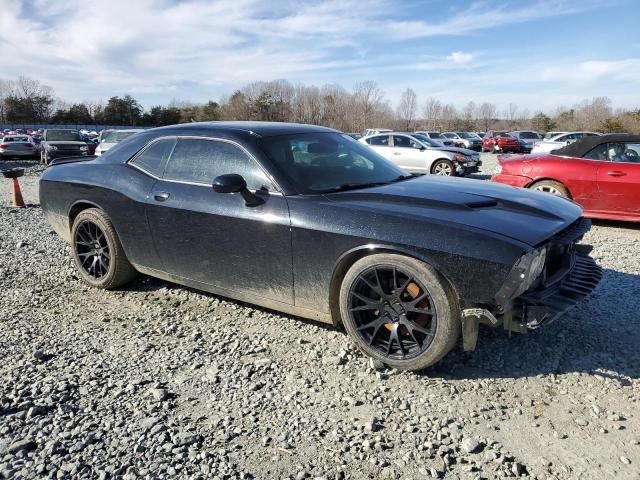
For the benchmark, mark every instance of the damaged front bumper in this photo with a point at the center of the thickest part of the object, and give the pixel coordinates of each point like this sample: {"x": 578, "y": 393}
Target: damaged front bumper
{"x": 569, "y": 276}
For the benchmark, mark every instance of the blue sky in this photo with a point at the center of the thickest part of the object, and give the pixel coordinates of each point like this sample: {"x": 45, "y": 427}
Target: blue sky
{"x": 539, "y": 54}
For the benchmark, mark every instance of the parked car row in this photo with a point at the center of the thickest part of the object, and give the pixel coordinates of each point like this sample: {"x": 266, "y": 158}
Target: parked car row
{"x": 48, "y": 144}
{"x": 417, "y": 153}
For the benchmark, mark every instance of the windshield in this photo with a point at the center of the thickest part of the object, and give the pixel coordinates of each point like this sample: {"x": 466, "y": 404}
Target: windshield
{"x": 551, "y": 135}
{"x": 504, "y": 135}
{"x": 466, "y": 135}
{"x": 62, "y": 135}
{"x": 424, "y": 139}
{"x": 529, "y": 135}
{"x": 114, "y": 136}
{"x": 435, "y": 134}
{"x": 325, "y": 162}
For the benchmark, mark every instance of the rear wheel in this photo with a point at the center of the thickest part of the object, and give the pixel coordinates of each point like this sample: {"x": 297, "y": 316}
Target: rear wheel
{"x": 399, "y": 310}
{"x": 552, "y": 187}
{"x": 97, "y": 251}
{"x": 442, "y": 167}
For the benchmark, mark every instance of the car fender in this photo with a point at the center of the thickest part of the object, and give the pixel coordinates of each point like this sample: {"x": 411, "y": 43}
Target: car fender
{"x": 550, "y": 179}
{"x": 349, "y": 257}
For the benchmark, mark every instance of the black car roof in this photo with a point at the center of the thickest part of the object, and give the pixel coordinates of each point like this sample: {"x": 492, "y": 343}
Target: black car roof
{"x": 583, "y": 146}
{"x": 261, "y": 129}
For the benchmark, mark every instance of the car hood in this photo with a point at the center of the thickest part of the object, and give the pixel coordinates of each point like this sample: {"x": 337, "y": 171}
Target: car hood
{"x": 527, "y": 216}
{"x": 65, "y": 143}
{"x": 463, "y": 151}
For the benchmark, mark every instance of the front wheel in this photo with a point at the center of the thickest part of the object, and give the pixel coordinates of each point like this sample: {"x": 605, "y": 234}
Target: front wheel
{"x": 552, "y": 187}
{"x": 442, "y": 167}
{"x": 399, "y": 310}
{"x": 97, "y": 251}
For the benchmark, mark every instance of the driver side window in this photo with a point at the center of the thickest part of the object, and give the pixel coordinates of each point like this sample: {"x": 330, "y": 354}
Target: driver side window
{"x": 598, "y": 153}
{"x": 199, "y": 160}
{"x": 401, "y": 141}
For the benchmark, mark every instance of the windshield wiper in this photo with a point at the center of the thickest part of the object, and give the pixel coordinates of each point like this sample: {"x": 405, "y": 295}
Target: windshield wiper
{"x": 356, "y": 186}
{"x": 401, "y": 178}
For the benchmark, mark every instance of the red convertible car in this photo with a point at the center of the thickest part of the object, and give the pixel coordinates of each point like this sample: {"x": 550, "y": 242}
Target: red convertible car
{"x": 601, "y": 174}
{"x": 500, "y": 141}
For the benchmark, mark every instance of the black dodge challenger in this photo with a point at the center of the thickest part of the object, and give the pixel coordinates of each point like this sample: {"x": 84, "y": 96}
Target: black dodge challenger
{"x": 308, "y": 221}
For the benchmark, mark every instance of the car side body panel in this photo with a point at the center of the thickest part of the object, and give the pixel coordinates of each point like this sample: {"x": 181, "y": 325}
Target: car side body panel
{"x": 604, "y": 189}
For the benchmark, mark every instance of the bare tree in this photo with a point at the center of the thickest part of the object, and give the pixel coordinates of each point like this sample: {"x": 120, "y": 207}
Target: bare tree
{"x": 486, "y": 114}
{"x": 407, "y": 108}
{"x": 449, "y": 117}
{"x": 5, "y": 91}
{"x": 468, "y": 116}
{"x": 511, "y": 113}
{"x": 367, "y": 98}
{"x": 432, "y": 113}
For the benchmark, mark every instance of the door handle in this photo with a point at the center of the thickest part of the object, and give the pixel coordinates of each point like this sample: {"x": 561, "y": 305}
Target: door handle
{"x": 161, "y": 196}
{"x": 616, "y": 173}
{"x": 396, "y": 153}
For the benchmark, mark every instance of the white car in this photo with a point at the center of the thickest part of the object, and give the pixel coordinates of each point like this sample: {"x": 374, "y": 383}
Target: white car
{"x": 549, "y": 135}
{"x": 374, "y": 131}
{"x": 419, "y": 154}
{"x": 438, "y": 137}
{"x": 560, "y": 140}
{"x": 469, "y": 140}
{"x": 108, "y": 138}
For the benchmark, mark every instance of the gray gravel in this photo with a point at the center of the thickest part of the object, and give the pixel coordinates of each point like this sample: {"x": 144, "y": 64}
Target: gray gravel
{"x": 160, "y": 381}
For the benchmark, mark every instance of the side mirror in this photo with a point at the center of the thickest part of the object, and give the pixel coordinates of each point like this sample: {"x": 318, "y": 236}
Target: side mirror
{"x": 234, "y": 183}
{"x": 229, "y": 183}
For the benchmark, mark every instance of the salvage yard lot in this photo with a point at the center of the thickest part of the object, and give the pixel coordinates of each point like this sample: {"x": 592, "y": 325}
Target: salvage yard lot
{"x": 163, "y": 380}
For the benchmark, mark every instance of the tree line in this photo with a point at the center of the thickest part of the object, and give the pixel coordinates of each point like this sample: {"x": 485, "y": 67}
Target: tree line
{"x": 27, "y": 101}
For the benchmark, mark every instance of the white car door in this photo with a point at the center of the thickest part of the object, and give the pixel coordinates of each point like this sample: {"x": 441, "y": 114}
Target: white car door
{"x": 381, "y": 144}
{"x": 409, "y": 154}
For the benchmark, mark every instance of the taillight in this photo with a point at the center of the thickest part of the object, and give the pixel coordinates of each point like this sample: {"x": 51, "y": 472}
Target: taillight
{"x": 3, "y": 147}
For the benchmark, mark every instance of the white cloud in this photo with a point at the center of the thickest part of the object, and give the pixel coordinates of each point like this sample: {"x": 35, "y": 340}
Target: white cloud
{"x": 162, "y": 47}
{"x": 460, "y": 57}
{"x": 589, "y": 72}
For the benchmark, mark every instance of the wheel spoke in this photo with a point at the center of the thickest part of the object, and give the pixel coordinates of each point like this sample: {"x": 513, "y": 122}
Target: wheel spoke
{"x": 376, "y": 288}
{"x": 396, "y": 338}
{"x": 367, "y": 300}
{"x": 379, "y": 321}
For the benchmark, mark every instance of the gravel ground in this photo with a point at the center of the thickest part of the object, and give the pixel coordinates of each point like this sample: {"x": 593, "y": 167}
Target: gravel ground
{"x": 161, "y": 381}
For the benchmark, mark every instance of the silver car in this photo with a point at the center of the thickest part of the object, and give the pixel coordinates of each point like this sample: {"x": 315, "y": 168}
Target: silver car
{"x": 419, "y": 154}
{"x": 438, "y": 137}
{"x": 561, "y": 140}
{"x": 108, "y": 138}
{"x": 17, "y": 146}
{"x": 469, "y": 140}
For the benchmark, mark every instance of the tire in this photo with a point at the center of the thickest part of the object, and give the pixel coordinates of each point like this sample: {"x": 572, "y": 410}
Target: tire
{"x": 44, "y": 158}
{"x": 444, "y": 166}
{"x": 443, "y": 325}
{"x": 106, "y": 267}
{"x": 552, "y": 187}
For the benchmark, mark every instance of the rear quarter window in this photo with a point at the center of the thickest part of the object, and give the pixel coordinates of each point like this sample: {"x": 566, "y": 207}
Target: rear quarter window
{"x": 153, "y": 158}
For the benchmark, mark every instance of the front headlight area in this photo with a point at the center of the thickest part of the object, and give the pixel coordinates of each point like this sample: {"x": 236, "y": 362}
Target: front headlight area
{"x": 530, "y": 268}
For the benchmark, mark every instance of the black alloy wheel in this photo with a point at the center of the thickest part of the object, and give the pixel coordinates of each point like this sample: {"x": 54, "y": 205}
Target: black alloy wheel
{"x": 92, "y": 248}
{"x": 399, "y": 310}
{"x": 97, "y": 251}
{"x": 393, "y": 312}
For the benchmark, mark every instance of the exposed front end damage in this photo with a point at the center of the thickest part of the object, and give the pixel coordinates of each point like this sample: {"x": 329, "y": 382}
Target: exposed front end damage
{"x": 541, "y": 286}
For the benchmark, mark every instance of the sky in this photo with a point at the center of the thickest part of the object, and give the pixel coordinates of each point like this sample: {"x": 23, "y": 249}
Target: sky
{"x": 540, "y": 54}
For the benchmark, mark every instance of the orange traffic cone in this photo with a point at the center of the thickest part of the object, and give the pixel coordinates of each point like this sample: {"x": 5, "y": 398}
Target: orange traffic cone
{"x": 17, "y": 195}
